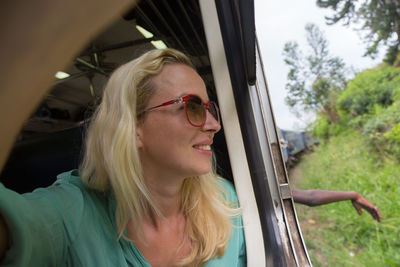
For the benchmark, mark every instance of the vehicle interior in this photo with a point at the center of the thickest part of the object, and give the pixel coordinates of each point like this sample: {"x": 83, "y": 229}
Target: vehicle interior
{"x": 51, "y": 139}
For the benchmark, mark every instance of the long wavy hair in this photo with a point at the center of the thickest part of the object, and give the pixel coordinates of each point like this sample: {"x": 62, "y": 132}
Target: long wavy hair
{"x": 111, "y": 162}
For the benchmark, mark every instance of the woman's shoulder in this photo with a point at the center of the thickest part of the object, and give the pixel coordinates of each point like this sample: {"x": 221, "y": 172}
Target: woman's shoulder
{"x": 67, "y": 186}
{"x": 71, "y": 182}
{"x": 68, "y": 191}
{"x": 70, "y": 177}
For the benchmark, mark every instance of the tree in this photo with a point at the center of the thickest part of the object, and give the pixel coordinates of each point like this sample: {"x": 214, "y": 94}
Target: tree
{"x": 314, "y": 81}
{"x": 380, "y": 20}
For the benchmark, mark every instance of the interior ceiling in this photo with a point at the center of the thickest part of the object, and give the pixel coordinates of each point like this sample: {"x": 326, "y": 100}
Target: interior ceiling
{"x": 177, "y": 23}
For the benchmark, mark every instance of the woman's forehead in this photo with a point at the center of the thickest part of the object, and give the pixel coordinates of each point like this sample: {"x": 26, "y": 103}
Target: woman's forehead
{"x": 176, "y": 80}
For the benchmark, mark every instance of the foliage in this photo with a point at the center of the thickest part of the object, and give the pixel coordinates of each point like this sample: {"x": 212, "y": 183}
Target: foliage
{"x": 314, "y": 80}
{"x": 335, "y": 235}
{"x": 371, "y": 104}
{"x": 381, "y": 131}
{"x": 322, "y": 128}
{"x": 380, "y": 21}
{"x": 394, "y": 134}
{"x": 370, "y": 88}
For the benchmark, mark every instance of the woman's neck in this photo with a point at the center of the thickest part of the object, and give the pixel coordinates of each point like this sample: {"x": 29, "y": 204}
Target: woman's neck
{"x": 166, "y": 193}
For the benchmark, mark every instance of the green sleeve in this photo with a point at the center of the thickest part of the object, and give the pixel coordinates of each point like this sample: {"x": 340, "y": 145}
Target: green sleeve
{"x": 41, "y": 224}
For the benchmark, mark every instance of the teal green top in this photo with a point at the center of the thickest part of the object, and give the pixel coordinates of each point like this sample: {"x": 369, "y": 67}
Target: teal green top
{"x": 68, "y": 224}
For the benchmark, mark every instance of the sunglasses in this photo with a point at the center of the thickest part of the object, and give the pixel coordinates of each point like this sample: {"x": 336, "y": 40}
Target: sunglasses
{"x": 196, "y": 109}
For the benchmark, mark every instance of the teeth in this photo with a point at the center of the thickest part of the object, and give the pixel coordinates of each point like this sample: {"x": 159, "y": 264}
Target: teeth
{"x": 203, "y": 147}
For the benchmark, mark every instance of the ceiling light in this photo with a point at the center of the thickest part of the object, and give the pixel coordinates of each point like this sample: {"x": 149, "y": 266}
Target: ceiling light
{"x": 61, "y": 75}
{"x": 159, "y": 44}
{"x": 144, "y": 32}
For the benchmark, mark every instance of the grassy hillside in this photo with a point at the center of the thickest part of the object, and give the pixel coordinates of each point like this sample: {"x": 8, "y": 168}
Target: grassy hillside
{"x": 335, "y": 234}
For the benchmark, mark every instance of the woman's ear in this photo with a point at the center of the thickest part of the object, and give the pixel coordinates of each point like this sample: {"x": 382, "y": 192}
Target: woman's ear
{"x": 139, "y": 136}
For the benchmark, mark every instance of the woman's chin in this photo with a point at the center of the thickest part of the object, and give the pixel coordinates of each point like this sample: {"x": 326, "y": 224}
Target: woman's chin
{"x": 202, "y": 170}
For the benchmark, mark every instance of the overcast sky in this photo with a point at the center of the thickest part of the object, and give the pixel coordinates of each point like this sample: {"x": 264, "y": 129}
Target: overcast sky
{"x": 280, "y": 21}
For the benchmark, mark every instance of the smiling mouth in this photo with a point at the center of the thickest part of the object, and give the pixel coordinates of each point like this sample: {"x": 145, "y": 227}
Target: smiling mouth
{"x": 203, "y": 147}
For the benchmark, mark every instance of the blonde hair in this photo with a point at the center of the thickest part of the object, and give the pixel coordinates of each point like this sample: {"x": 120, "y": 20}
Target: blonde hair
{"x": 111, "y": 161}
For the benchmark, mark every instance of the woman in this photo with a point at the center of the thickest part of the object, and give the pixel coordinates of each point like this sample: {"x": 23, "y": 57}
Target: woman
{"x": 146, "y": 193}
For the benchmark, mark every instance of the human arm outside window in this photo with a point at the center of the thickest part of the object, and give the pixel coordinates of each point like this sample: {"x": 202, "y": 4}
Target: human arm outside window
{"x": 321, "y": 197}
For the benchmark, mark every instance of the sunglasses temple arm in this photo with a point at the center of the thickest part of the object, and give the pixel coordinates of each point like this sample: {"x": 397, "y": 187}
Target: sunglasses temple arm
{"x": 164, "y": 104}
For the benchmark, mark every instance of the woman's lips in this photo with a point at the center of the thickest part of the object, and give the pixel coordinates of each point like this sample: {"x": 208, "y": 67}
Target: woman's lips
{"x": 204, "y": 149}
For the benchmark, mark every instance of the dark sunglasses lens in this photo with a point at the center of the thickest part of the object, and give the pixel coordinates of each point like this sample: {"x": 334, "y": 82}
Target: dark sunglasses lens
{"x": 213, "y": 109}
{"x": 195, "y": 110}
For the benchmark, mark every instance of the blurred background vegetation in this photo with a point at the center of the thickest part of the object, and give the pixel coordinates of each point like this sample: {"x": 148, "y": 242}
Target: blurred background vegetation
{"x": 359, "y": 152}
{"x": 358, "y": 125}
{"x": 335, "y": 234}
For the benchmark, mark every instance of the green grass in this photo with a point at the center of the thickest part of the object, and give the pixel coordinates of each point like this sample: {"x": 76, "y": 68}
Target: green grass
{"x": 335, "y": 234}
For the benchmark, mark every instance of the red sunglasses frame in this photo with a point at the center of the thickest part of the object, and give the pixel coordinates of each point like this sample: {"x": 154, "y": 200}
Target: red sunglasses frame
{"x": 183, "y": 99}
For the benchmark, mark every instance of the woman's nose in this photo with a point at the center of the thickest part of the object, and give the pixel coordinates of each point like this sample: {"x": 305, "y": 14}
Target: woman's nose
{"x": 211, "y": 123}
